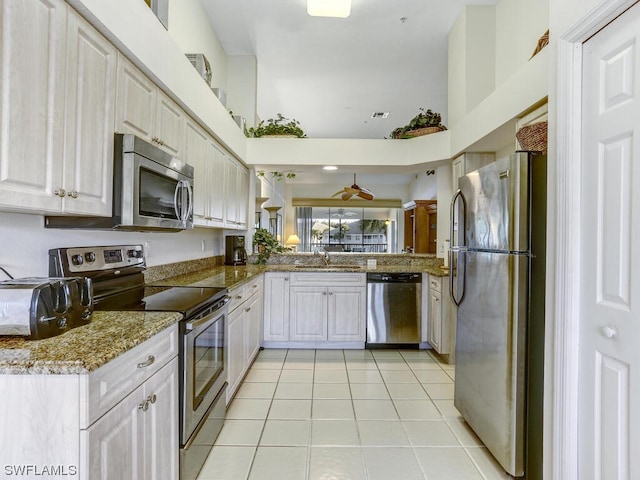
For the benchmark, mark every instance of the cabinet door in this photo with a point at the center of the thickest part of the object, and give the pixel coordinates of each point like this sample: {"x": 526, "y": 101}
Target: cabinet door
{"x": 32, "y": 85}
{"x": 276, "y": 307}
{"x": 347, "y": 314}
{"x": 217, "y": 186}
{"x": 235, "y": 350}
{"x": 170, "y": 125}
{"x": 231, "y": 214}
{"x": 242, "y": 197}
{"x": 435, "y": 320}
{"x": 253, "y": 320}
{"x": 161, "y": 423}
{"x": 135, "y": 101}
{"x": 195, "y": 154}
{"x": 90, "y": 102}
{"x": 308, "y": 314}
{"x": 114, "y": 445}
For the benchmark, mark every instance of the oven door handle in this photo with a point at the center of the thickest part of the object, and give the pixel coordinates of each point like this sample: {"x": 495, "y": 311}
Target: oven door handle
{"x": 192, "y": 325}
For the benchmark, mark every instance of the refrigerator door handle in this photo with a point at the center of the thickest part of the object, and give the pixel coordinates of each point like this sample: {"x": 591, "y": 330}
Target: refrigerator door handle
{"x": 453, "y": 266}
{"x": 456, "y": 249}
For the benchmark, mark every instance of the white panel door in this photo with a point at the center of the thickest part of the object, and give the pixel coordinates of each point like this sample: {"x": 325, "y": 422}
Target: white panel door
{"x": 170, "y": 125}
{"x": 308, "y": 314}
{"x": 135, "y": 101}
{"x": 196, "y": 153}
{"x": 90, "y": 104}
{"x": 347, "y": 314}
{"x": 609, "y": 393}
{"x": 32, "y": 49}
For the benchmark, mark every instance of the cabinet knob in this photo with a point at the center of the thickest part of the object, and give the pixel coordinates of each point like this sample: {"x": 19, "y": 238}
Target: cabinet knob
{"x": 286, "y": 279}
{"x": 330, "y": 293}
{"x": 324, "y": 293}
{"x": 248, "y": 309}
{"x": 144, "y": 406}
{"x": 239, "y": 297}
{"x": 73, "y": 194}
{"x": 609, "y": 332}
{"x": 152, "y": 398}
{"x": 60, "y": 192}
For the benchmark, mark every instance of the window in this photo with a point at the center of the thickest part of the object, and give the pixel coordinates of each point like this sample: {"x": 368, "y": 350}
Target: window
{"x": 357, "y": 229}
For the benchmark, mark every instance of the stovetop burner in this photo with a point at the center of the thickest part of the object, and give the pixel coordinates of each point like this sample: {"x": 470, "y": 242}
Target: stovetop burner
{"x": 118, "y": 282}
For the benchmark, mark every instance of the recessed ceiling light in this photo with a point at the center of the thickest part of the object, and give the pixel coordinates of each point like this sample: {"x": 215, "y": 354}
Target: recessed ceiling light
{"x": 329, "y": 8}
{"x": 379, "y": 114}
{"x": 329, "y": 167}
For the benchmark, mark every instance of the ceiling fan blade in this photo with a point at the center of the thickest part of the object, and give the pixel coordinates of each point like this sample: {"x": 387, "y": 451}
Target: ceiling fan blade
{"x": 346, "y": 196}
{"x": 338, "y": 193}
{"x": 351, "y": 190}
{"x": 365, "y": 195}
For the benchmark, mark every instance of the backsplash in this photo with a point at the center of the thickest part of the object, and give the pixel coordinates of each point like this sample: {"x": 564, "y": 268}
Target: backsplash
{"x": 382, "y": 259}
{"x": 160, "y": 272}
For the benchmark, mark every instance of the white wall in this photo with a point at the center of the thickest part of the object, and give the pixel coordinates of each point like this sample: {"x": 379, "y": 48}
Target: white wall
{"x": 242, "y": 84}
{"x": 25, "y": 245}
{"x": 190, "y": 28}
{"x": 445, "y": 192}
{"x": 423, "y": 186}
{"x": 519, "y": 24}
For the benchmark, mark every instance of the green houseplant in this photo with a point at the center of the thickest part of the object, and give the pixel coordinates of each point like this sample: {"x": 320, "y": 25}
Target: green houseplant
{"x": 422, "y": 124}
{"x": 266, "y": 244}
{"x": 280, "y": 126}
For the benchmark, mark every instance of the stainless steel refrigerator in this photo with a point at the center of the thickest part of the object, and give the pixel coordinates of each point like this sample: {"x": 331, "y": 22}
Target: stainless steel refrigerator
{"x": 497, "y": 281}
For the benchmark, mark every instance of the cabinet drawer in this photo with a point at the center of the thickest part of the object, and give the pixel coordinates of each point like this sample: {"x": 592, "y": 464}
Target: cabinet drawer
{"x": 435, "y": 283}
{"x": 328, "y": 279}
{"x": 254, "y": 286}
{"x": 238, "y": 296}
{"x": 115, "y": 380}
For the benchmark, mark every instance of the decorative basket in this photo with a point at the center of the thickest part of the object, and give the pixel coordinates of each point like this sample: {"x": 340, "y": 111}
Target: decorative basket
{"x": 418, "y": 132}
{"x": 533, "y": 137}
{"x": 543, "y": 41}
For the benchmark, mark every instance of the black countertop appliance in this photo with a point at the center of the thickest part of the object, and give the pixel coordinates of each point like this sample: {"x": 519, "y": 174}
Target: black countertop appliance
{"x": 235, "y": 252}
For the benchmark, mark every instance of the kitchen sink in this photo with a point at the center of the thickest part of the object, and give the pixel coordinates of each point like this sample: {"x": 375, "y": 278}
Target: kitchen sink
{"x": 329, "y": 267}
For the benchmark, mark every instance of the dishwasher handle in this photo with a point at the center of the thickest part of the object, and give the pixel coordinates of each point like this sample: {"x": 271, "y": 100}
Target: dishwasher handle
{"x": 394, "y": 277}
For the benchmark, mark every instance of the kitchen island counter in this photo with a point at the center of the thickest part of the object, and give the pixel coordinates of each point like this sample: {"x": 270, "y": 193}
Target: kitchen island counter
{"x": 83, "y": 349}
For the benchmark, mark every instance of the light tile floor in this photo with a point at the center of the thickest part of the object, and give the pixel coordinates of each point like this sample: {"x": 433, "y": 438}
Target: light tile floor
{"x": 347, "y": 415}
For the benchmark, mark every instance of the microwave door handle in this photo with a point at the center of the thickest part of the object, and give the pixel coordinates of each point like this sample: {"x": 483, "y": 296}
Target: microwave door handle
{"x": 175, "y": 199}
{"x": 187, "y": 186}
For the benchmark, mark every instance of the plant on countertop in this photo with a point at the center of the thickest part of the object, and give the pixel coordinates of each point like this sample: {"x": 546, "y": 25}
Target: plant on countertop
{"x": 266, "y": 244}
{"x": 424, "y": 119}
{"x": 278, "y": 126}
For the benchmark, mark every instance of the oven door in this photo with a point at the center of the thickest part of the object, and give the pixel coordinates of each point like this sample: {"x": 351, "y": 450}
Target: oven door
{"x": 159, "y": 198}
{"x": 203, "y": 375}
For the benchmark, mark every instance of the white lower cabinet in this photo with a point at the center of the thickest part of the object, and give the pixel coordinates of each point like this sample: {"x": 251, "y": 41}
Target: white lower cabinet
{"x": 138, "y": 438}
{"x": 315, "y": 309}
{"x": 440, "y": 327}
{"x": 276, "y": 307}
{"x": 243, "y": 331}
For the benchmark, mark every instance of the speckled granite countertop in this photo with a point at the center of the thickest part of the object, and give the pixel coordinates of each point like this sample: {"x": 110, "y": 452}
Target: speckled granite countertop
{"x": 83, "y": 349}
{"x": 110, "y": 334}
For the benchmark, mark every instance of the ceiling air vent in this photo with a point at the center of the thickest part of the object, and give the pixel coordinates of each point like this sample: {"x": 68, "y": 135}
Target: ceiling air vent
{"x": 379, "y": 114}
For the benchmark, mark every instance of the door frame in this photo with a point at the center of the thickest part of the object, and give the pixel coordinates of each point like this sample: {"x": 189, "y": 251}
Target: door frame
{"x": 563, "y": 259}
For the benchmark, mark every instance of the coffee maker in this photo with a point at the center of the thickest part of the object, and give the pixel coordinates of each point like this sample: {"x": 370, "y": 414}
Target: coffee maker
{"x": 235, "y": 253}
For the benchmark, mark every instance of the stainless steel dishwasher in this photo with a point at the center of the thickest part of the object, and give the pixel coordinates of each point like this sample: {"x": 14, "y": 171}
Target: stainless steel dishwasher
{"x": 393, "y": 309}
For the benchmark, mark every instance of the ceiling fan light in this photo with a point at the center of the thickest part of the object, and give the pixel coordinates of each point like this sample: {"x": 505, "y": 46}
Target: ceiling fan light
{"x": 329, "y": 8}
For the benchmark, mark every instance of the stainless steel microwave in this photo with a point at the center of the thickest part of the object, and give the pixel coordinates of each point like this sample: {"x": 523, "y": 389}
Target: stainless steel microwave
{"x": 151, "y": 191}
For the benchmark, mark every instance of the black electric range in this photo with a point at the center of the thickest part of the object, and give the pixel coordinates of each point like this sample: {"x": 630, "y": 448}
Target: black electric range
{"x": 118, "y": 281}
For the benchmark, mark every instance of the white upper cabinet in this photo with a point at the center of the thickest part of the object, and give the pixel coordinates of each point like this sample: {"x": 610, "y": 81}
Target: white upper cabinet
{"x": 170, "y": 124}
{"x": 88, "y": 146}
{"x": 237, "y": 183}
{"x": 57, "y": 95}
{"x": 144, "y": 110}
{"x": 135, "y": 101}
{"x": 32, "y": 87}
{"x": 196, "y": 155}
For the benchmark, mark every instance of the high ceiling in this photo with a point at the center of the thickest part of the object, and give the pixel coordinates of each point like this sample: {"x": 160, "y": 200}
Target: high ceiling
{"x": 332, "y": 74}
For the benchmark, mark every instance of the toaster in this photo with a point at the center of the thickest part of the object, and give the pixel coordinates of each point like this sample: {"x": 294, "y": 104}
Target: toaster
{"x": 44, "y": 307}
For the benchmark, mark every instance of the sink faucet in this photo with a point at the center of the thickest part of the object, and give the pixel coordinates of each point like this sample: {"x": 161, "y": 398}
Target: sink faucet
{"x": 324, "y": 255}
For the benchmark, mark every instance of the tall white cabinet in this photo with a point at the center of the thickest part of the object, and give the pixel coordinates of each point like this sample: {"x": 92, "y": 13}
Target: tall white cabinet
{"x": 57, "y": 103}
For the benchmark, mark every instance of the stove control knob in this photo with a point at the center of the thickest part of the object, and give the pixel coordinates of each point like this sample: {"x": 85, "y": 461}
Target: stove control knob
{"x": 77, "y": 259}
{"x": 90, "y": 257}
{"x": 134, "y": 253}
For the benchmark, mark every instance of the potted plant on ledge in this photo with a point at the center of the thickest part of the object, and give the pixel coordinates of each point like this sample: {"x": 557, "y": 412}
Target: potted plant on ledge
{"x": 278, "y": 127}
{"x": 266, "y": 244}
{"x": 424, "y": 123}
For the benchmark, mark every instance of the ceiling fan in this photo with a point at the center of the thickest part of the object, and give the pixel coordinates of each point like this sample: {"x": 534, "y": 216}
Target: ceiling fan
{"x": 348, "y": 192}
